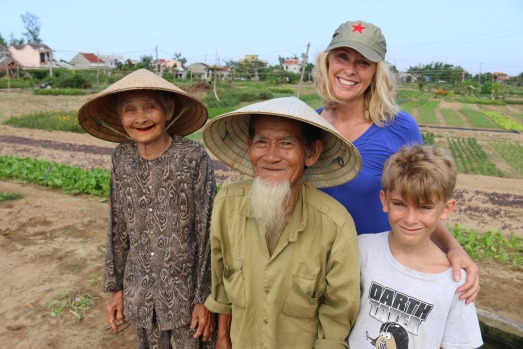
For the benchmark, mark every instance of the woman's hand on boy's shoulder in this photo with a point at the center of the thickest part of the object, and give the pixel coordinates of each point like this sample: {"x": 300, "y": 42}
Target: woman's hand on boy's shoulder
{"x": 461, "y": 260}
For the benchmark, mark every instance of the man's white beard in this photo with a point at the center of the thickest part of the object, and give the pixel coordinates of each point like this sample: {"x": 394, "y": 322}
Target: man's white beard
{"x": 269, "y": 202}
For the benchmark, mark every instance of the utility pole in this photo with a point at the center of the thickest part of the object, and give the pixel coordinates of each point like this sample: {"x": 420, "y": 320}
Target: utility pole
{"x": 492, "y": 91}
{"x": 304, "y": 64}
{"x": 157, "y": 63}
{"x": 479, "y": 76}
{"x": 7, "y": 70}
{"x": 97, "y": 70}
{"x": 50, "y": 63}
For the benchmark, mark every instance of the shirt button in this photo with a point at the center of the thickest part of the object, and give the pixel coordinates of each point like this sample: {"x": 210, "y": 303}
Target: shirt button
{"x": 152, "y": 253}
{"x": 150, "y": 187}
{"x": 265, "y": 321}
{"x": 266, "y": 291}
{"x": 154, "y": 275}
{"x": 150, "y": 209}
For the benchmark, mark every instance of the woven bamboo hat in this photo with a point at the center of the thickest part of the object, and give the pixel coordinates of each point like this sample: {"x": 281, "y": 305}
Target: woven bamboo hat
{"x": 226, "y": 137}
{"x": 99, "y": 117}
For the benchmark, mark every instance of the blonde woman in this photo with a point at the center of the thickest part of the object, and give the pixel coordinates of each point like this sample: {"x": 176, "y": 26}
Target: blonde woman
{"x": 357, "y": 89}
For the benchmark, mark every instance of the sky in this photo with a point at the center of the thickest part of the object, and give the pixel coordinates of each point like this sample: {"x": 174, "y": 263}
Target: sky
{"x": 477, "y": 35}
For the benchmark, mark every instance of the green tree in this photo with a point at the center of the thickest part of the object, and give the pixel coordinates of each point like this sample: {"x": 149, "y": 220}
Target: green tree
{"x": 15, "y": 41}
{"x": 178, "y": 57}
{"x": 469, "y": 87}
{"x": 32, "y": 25}
{"x": 146, "y": 62}
{"x": 2, "y": 41}
{"x": 231, "y": 63}
{"x": 438, "y": 71}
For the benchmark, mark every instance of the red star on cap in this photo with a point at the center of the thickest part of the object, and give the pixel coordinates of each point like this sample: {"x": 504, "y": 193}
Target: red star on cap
{"x": 358, "y": 28}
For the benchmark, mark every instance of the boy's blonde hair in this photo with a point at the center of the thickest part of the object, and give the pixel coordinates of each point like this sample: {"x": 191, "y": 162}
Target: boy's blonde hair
{"x": 421, "y": 174}
{"x": 380, "y": 97}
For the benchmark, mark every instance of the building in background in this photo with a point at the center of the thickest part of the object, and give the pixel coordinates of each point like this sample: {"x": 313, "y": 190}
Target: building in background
{"x": 292, "y": 66}
{"x": 88, "y": 61}
{"x": 32, "y": 55}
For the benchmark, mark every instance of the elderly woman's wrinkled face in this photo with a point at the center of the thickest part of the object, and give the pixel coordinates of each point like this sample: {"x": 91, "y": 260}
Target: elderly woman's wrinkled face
{"x": 143, "y": 115}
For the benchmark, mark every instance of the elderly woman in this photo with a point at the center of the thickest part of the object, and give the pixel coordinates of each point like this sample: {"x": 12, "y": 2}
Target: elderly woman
{"x": 157, "y": 264}
{"x": 358, "y": 93}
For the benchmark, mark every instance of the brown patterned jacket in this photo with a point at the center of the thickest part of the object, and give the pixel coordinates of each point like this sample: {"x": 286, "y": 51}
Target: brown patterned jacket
{"x": 158, "y": 248}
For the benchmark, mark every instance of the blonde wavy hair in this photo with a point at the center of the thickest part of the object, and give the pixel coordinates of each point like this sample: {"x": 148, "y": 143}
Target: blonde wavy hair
{"x": 380, "y": 101}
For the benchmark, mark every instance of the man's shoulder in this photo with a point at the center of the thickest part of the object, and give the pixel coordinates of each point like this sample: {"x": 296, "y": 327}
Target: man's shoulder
{"x": 326, "y": 204}
{"x": 237, "y": 189}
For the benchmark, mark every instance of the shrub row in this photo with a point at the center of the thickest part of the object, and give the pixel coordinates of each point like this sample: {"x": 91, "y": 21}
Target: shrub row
{"x": 73, "y": 180}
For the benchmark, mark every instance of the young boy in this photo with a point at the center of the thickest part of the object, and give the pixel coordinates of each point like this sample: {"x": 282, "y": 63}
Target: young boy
{"x": 408, "y": 292}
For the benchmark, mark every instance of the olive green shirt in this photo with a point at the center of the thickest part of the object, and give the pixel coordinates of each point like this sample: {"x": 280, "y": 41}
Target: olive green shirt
{"x": 307, "y": 294}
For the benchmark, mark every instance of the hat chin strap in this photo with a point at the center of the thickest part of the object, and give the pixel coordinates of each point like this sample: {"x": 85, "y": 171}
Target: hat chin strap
{"x": 104, "y": 124}
{"x": 183, "y": 110}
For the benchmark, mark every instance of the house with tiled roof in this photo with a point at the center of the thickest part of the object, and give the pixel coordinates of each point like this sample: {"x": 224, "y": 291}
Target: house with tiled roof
{"x": 87, "y": 61}
{"x": 292, "y": 65}
{"x": 501, "y": 77}
{"x": 31, "y": 55}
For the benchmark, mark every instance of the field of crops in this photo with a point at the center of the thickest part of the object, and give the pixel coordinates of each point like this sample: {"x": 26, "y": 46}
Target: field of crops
{"x": 484, "y": 139}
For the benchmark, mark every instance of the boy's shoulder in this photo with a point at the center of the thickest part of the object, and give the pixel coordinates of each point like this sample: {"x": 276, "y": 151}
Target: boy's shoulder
{"x": 372, "y": 239}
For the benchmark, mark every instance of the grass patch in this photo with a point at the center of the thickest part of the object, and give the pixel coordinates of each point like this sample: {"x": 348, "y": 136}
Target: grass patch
{"x": 503, "y": 248}
{"x": 512, "y": 153}
{"x": 313, "y": 100}
{"x": 477, "y": 119}
{"x": 214, "y": 112}
{"x": 282, "y": 90}
{"x": 75, "y": 302}
{"x": 452, "y": 118}
{"x": 233, "y": 94}
{"x": 427, "y": 113}
{"x": 410, "y": 94}
{"x": 5, "y": 196}
{"x": 411, "y": 105}
{"x": 49, "y": 121}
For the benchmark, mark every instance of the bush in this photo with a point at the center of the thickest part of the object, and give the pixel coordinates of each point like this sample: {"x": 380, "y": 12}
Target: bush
{"x": 38, "y": 74}
{"x": 57, "y": 92}
{"x": 73, "y": 81}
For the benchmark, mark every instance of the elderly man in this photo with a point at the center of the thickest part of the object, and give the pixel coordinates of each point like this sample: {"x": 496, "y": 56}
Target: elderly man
{"x": 284, "y": 255}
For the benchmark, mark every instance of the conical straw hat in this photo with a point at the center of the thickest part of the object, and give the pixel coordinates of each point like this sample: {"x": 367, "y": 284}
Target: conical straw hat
{"x": 99, "y": 117}
{"x": 226, "y": 137}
